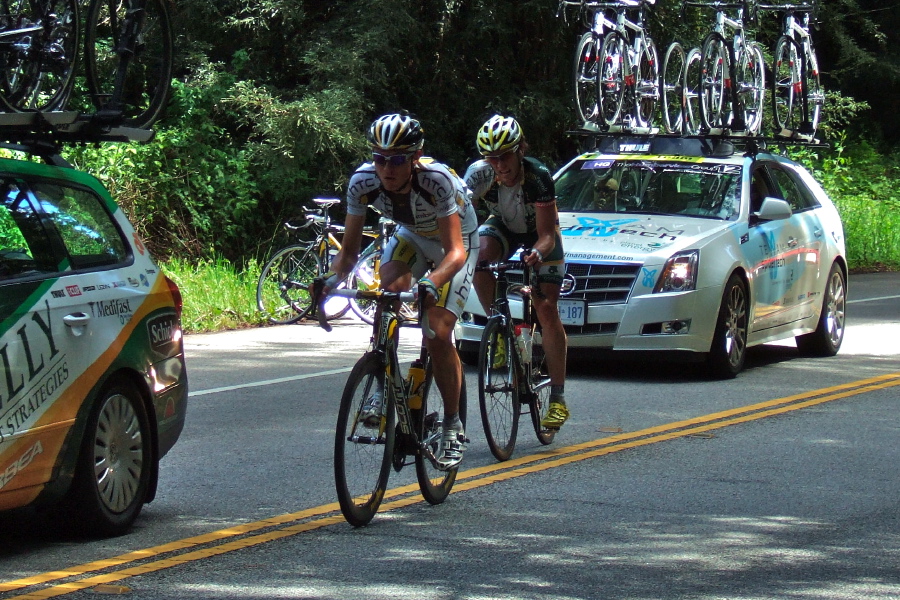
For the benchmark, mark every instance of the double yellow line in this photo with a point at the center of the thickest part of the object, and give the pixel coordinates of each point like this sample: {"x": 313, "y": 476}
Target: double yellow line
{"x": 219, "y": 542}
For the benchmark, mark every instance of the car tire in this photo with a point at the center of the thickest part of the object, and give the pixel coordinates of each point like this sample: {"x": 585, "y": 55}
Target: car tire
{"x": 468, "y": 352}
{"x": 729, "y": 345}
{"x": 114, "y": 467}
{"x": 829, "y": 334}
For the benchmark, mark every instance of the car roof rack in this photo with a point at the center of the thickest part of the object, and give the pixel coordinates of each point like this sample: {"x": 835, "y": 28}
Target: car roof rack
{"x": 716, "y": 144}
{"x": 43, "y": 134}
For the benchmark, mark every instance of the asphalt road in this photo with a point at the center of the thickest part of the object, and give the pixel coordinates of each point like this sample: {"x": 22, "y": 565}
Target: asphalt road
{"x": 782, "y": 483}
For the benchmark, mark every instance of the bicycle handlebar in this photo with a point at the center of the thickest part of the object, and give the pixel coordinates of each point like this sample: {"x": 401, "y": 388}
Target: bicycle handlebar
{"x": 801, "y": 8}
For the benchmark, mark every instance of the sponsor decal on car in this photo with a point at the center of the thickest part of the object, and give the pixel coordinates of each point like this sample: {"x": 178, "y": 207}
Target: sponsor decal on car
{"x": 161, "y": 331}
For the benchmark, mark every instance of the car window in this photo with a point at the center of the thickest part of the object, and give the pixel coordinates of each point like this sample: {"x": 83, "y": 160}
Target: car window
{"x": 760, "y": 189}
{"x": 794, "y": 192}
{"x": 649, "y": 187}
{"x": 25, "y": 247}
{"x": 90, "y": 236}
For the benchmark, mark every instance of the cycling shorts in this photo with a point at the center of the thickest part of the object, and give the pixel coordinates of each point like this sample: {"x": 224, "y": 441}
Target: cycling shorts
{"x": 421, "y": 254}
{"x": 552, "y": 268}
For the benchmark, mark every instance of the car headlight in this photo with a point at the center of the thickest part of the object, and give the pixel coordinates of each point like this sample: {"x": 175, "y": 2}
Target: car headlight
{"x": 680, "y": 273}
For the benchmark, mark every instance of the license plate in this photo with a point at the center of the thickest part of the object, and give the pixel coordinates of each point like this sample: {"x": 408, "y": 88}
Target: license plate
{"x": 572, "y": 312}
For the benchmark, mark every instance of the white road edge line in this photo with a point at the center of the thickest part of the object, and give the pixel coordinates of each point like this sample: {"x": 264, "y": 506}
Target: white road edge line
{"x": 873, "y": 299}
{"x": 231, "y": 388}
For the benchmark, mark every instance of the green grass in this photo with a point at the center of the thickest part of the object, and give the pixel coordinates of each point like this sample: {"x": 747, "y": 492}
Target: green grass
{"x": 216, "y": 294}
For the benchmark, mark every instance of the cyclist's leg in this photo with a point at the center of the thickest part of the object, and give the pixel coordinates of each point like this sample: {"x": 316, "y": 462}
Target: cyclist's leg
{"x": 553, "y": 334}
{"x": 493, "y": 247}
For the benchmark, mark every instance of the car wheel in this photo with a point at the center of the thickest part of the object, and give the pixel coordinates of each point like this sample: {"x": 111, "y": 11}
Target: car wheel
{"x": 729, "y": 346}
{"x": 829, "y": 334}
{"x": 468, "y": 352}
{"x": 114, "y": 467}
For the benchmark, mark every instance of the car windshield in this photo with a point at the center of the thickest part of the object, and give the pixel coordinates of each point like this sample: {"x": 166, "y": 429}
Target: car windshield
{"x": 650, "y": 187}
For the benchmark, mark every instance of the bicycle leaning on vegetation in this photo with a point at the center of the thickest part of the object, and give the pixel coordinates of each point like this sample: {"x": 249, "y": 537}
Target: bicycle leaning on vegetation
{"x": 512, "y": 374}
{"x": 411, "y": 423}
{"x": 283, "y": 291}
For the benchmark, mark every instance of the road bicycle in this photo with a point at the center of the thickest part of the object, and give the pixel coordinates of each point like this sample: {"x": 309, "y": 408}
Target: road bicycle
{"x": 39, "y": 42}
{"x": 732, "y": 73}
{"x": 586, "y": 54}
{"x": 797, "y": 97}
{"x": 411, "y": 425}
{"x": 128, "y": 59}
{"x": 680, "y": 95}
{"x": 283, "y": 291}
{"x": 628, "y": 68}
{"x": 512, "y": 374}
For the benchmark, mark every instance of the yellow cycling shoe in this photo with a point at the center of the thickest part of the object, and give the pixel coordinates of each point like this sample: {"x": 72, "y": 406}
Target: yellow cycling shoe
{"x": 557, "y": 414}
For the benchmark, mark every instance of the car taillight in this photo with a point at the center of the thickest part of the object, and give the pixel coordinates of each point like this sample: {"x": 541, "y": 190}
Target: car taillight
{"x": 176, "y": 295}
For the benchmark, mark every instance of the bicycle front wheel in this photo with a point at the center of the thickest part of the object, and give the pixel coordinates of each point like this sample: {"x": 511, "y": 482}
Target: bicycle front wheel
{"x": 691, "y": 92}
{"x": 497, "y": 393}
{"x": 39, "y": 66}
{"x": 540, "y": 400}
{"x": 714, "y": 82}
{"x": 140, "y": 86}
{"x": 362, "y": 455}
{"x": 787, "y": 87}
{"x": 434, "y": 483}
{"x": 586, "y": 78}
{"x": 282, "y": 292}
{"x": 673, "y": 88}
{"x": 365, "y": 276}
{"x": 611, "y": 82}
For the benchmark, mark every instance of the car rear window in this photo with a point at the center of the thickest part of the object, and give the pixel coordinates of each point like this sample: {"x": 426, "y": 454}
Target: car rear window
{"x": 87, "y": 229}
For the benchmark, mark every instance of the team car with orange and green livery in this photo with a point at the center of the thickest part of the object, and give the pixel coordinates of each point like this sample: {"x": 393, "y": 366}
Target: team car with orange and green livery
{"x": 93, "y": 386}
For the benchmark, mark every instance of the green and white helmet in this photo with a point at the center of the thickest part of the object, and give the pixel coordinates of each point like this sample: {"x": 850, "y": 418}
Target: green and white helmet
{"x": 498, "y": 135}
{"x": 396, "y": 132}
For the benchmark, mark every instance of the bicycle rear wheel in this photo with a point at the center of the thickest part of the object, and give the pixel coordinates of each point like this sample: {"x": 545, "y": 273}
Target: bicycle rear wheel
{"x": 362, "y": 456}
{"x": 434, "y": 483}
{"x": 714, "y": 76}
{"x": 282, "y": 292}
{"x": 540, "y": 400}
{"x": 38, "y": 66}
{"x": 586, "y": 78}
{"x": 673, "y": 88}
{"x": 497, "y": 393}
{"x": 144, "y": 83}
{"x": 611, "y": 82}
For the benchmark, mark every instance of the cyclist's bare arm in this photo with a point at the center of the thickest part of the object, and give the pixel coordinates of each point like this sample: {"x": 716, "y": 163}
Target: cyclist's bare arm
{"x": 546, "y": 229}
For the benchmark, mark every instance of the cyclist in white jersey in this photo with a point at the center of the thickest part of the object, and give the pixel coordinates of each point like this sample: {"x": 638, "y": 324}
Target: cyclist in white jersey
{"x": 437, "y": 226}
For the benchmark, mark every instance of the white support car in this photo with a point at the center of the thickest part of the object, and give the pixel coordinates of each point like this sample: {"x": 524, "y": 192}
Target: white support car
{"x": 684, "y": 246}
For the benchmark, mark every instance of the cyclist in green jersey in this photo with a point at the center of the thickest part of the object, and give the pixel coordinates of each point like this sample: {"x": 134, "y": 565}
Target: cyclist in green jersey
{"x": 519, "y": 193}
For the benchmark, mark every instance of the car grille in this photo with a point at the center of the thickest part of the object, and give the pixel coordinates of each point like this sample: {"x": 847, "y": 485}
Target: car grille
{"x": 598, "y": 284}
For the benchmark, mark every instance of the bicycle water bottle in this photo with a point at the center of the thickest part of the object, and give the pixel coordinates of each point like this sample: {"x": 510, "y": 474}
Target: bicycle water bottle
{"x": 415, "y": 381}
{"x": 523, "y": 341}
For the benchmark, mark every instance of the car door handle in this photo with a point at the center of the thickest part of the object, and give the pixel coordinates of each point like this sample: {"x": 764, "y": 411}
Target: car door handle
{"x": 817, "y": 233}
{"x": 792, "y": 242}
{"x": 77, "y": 322}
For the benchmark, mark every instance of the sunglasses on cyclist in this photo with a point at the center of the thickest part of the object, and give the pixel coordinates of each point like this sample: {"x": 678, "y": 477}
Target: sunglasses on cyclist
{"x": 394, "y": 160}
{"x": 503, "y": 155}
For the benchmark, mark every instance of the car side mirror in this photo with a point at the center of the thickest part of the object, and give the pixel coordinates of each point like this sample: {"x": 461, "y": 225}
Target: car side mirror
{"x": 774, "y": 209}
